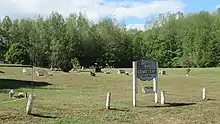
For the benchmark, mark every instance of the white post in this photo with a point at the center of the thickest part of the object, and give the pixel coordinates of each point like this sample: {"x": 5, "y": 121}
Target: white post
{"x": 163, "y": 98}
{"x": 30, "y": 103}
{"x": 155, "y": 83}
{"x": 135, "y": 82}
{"x": 108, "y": 100}
{"x": 203, "y": 93}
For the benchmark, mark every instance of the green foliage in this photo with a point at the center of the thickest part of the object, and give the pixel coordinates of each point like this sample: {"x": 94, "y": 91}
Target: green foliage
{"x": 65, "y": 65}
{"x": 174, "y": 40}
{"x": 75, "y": 63}
{"x": 187, "y": 70}
{"x": 17, "y": 54}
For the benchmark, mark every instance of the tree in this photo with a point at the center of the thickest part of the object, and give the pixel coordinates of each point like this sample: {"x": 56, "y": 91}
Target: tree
{"x": 17, "y": 54}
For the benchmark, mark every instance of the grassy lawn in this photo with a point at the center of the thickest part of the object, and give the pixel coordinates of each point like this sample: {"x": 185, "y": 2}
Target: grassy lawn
{"x": 71, "y": 98}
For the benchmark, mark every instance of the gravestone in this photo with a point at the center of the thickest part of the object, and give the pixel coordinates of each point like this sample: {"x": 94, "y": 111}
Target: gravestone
{"x": 126, "y": 73}
{"x": 42, "y": 73}
{"x": 107, "y": 72}
{"x": 39, "y": 73}
{"x": 97, "y": 69}
{"x": 121, "y": 71}
{"x": 24, "y": 70}
{"x": 147, "y": 89}
{"x": 11, "y": 93}
{"x": 163, "y": 72}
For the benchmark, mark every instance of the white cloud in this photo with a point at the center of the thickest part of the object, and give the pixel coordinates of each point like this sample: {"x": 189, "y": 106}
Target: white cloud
{"x": 218, "y": 6}
{"x": 94, "y": 9}
{"x": 136, "y": 26}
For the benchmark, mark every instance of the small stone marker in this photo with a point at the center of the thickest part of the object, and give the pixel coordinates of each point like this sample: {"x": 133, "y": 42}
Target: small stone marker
{"x": 21, "y": 95}
{"x": 147, "y": 89}
{"x": 203, "y": 93}
{"x": 126, "y": 73}
{"x": 11, "y": 93}
{"x": 43, "y": 73}
{"x": 24, "y": 70}
{"x": 108, "y": 100}
{"x": 121, "y": 71}
{"x": 39, "y": 73}
{"x": 163, "y": 72}
{"x": 107, "y": 72}
{"x": 163, "y": 98}
{"x": 30, "y": 103}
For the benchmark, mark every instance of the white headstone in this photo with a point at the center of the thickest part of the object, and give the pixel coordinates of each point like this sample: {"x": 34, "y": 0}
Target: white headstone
{"x": 11, "y": 93}
{"x": 24, "y": 70}
{"x": 107, "y": 72}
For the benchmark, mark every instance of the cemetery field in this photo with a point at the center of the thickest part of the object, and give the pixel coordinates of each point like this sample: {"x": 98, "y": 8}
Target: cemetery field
{"x": 72, "y": 98}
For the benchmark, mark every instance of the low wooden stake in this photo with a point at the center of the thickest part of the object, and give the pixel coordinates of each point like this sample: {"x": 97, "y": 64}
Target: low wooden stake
{"x": 163, "y": 98}
{"x": 203, "y": 93}
{"x": 30, "y": 103}
{"x": 108, "y": 100}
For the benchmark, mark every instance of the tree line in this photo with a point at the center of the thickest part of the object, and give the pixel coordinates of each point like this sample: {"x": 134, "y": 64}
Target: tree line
{"x": 174, "y": 40}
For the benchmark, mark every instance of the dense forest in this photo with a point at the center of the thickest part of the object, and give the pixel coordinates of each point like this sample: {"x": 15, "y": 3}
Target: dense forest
{"x": 171, "y": 39}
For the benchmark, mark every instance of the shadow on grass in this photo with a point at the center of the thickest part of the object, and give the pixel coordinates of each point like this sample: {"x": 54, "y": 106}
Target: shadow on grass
{"x": 211, "y": 99}
{"x": 15, "y": 84}
{"x": 168, "y": 105}
{"x": 111, "y": 109}
{"x": 2, "y": 72}
{"x": 43, "y": 116}
{"x": 124, "y": 109}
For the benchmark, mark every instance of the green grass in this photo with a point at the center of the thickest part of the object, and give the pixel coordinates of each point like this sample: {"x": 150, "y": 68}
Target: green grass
{"x": 71, "y": 98}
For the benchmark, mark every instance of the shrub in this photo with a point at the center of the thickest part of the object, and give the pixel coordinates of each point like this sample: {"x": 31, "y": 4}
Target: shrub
{"x": 75, "y": 63}
{"x": 65, "y": 65}
{"x": 17, "y": 54}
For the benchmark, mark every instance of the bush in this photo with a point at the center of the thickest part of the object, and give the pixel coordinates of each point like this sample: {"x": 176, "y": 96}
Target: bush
{"x": 75, "y": 63}
{"x": 17, "y": 54}
{"x": 65, "y": 65}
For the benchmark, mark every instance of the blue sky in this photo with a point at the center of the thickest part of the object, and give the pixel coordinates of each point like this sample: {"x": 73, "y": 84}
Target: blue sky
{"x": 198, "y": 5}
{"x": 190, "y": 6}
{"x": 133, "y": 12}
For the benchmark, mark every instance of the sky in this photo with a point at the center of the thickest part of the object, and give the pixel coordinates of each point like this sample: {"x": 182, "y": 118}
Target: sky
{"x": 132, "y": 12}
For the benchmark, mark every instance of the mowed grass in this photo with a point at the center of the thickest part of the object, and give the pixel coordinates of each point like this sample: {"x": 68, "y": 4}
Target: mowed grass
{"x": 72, "y": 98}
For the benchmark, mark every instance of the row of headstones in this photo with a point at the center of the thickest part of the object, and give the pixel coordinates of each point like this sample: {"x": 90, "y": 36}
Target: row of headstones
{"x": 39, "y": 72}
